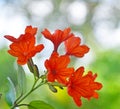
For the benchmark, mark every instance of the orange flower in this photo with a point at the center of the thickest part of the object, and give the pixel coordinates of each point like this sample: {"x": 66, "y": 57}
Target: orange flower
{"x": 57, "y": 68}
{"x": 24, "y": 47}
{"x": 83, "y": 86}
{"x": 28, "y": 30}
{"x": 57, "y": 37}
{"x": 74, "y": 48}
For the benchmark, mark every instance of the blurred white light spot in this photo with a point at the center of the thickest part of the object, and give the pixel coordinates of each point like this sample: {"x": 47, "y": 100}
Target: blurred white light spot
{"x": 41, "y": 8}
{"x": 13, "y": 26}
{"x": 108, "y": 37}
{"x": 77, "y": 12}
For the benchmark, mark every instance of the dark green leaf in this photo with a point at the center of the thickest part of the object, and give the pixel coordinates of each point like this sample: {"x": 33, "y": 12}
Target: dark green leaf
{"x": 39, "y": 105}
{"x": 11, "y": 93}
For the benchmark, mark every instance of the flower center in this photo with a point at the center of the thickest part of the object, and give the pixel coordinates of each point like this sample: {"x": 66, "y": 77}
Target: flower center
{"x": 54, "y": 72}
{"x": 25, "y": 53}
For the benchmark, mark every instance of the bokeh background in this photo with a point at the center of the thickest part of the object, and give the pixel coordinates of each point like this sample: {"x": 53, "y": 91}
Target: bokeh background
{"x": 97, "y": 22}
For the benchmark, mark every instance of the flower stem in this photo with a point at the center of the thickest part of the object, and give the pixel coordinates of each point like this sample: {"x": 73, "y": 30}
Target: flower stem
{"x": 33, "y": 68}
{"x": 34, "y": 87}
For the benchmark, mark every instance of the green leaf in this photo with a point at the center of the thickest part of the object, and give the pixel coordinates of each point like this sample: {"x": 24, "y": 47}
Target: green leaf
{"x": 11, "y": 93}
{"x": 7, "y": 69}
{"x": 39, "y": 105}
{"x": 21, "y": 79}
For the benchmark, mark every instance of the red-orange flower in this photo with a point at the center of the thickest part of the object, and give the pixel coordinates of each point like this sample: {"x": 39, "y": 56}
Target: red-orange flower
{"x": 83, "y": 86}
{"x": 57, "y": 37}
{"x": 28, "y": 30}
{"x": 57, "y": 68}
{"x": 24, "y": 47}
{"x": 74, "y": 48}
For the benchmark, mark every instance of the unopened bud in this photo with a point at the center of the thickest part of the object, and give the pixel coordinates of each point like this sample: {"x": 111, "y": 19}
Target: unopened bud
{"x": 36, "y": 71}
{"x": 60, "y": 87}
{"x": 30, "y": 66}
{"x": 52, "y": 88}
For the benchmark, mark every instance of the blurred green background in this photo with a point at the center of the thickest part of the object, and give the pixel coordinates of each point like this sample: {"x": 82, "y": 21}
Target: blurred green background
{"x": 97, "y": 22}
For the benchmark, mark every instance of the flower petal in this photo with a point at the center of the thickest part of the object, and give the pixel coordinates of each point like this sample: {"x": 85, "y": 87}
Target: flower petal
{"x": 10, "y": 38}
{"x": 80, "y": 85}
{"x": 31, "y": 30}
{"x": 74, "y": 48}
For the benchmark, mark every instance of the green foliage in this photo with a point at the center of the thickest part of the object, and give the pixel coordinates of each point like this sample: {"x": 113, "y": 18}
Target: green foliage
{"x": 11, "y": 93}
{"x": 107, "y": 66}
{"x": 39, "y": 105}
{"x": 21, "y": 80}
{"x": 12, "y": 82}
{"x": 6, "y": 70}
{"x": 107, "y": 63}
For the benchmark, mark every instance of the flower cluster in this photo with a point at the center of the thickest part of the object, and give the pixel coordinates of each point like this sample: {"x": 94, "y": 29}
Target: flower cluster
{"x": 78, "y": 85}
{"x": 24, "y": 46}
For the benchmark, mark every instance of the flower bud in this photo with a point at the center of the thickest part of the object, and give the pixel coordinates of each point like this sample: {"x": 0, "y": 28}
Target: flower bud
{"x": 52, "y": 88}
{"x": 36, "y": 71}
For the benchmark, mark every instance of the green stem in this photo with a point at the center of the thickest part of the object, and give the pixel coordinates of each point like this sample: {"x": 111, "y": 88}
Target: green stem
{"x": 32, "y": 89}
{"x": 33, "y": 68}
{"x": 39, "y": 85}
{"x": 20, "y": 100}
{"x": 22, "y": 105}
{"x": 17, "y": 103}
{"x": 25, "y": 105}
